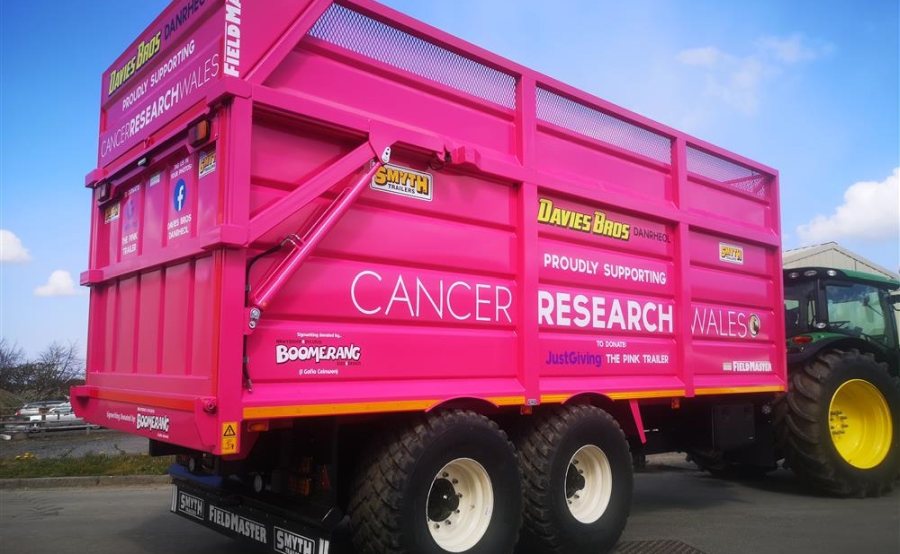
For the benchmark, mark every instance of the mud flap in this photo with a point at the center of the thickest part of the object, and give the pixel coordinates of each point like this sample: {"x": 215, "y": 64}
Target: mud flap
{"x": 237, "y": 517}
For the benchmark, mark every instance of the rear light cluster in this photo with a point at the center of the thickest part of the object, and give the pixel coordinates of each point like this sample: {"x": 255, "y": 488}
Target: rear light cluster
{"x": 309, "y": 478}
{"x": 199, "y": 132}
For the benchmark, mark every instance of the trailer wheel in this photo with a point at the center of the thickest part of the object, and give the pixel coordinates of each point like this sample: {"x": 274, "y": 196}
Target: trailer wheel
{"x": 839, "y": 424}
{"x": 577, "y": 480}
{"x": 446, "y": 483}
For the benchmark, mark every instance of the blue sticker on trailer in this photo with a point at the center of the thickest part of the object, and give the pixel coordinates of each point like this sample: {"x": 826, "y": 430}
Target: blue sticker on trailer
{"x": 179, "y": 195}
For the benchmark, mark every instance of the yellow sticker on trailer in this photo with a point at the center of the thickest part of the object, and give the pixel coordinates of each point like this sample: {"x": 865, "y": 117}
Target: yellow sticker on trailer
{"x": 111, "y": 213}
{"x": 229, "y": 442}
{"x": 731, "y": 253}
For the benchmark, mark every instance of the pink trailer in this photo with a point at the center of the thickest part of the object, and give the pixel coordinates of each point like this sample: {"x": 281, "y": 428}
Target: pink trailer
{"x": 324, "y": 234}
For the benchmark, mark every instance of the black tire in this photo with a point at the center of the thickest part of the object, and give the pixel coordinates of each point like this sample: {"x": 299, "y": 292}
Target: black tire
{"x": 545, "y": 452}
{"x": 392, "y": 489}
{"x": 803, "y": 426}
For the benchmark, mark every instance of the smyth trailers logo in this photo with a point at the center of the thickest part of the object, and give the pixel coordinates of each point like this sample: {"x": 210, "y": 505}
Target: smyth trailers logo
{"x": 287, "y": 542}
{"x": 404, "y": 182}
{"x": 731, "y": 254}
{"x": 190, "y": 505}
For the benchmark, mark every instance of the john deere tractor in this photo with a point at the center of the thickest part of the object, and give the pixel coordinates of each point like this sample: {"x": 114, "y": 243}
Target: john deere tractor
{"x": 838, "y": 426}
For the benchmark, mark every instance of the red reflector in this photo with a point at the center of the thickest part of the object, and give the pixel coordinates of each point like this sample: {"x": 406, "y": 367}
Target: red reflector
{"x": 258, "y": 426}
{"x": 802, "y": 339}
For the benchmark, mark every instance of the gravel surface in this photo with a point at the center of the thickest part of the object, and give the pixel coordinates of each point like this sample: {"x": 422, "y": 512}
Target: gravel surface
{"x": 674, "y": 509}
{"x": 58, "y": 444}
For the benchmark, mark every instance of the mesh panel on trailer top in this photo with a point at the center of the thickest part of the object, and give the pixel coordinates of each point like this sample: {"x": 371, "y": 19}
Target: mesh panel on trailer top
{"x": 359, "y": 33}
{"x": 727, "y": 173}
{"x": 595, "y": 124}
{"x": 368, "y": 37}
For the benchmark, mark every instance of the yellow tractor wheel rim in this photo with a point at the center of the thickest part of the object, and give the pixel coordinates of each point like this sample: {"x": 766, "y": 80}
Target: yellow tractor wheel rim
{"x": 860, "y": 423}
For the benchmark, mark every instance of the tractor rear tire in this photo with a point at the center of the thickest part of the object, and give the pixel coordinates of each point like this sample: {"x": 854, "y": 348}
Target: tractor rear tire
{"x": 577, "y": 481}
{"x": 839, "y": 424}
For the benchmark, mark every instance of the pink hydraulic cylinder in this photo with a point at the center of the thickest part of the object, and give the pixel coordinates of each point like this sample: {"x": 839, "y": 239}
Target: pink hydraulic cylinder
{"x": 301, "y": 248}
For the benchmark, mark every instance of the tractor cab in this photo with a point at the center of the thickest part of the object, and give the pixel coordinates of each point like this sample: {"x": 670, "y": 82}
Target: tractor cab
{"x": 840, "y": 309}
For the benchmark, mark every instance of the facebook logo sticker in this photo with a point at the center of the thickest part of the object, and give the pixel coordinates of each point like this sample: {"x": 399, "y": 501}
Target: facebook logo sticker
{"x": 180, "y": 194}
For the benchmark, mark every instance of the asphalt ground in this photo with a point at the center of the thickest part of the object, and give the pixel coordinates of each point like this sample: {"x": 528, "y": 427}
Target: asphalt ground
{"x": 672, "y": 502}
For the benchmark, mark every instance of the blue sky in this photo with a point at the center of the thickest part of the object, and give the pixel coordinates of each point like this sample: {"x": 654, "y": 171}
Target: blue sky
{"x": 808, "y": 87}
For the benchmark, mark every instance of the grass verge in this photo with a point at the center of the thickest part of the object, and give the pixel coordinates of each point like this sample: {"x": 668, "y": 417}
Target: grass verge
{"x": 25, "y": 466}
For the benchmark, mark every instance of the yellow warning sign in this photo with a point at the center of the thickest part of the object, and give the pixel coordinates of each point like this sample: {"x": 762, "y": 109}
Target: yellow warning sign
{"x": 230, "y": 437}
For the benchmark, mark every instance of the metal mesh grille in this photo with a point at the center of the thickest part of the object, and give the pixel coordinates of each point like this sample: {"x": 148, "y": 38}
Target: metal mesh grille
{"x": 593, "y": 123}
{"x": 361, "y": 34}
{"x": 727, "y": 173}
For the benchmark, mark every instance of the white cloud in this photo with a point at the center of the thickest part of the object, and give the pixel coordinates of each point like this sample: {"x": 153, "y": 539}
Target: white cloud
{"x": 60, "y": 283}
{"x": 871, "y": 211}
{"x": 706, "y": 56}
{"x": 793, "y": 49}
{"x": 11, "y": 248}
{"x": 738, "y": 81}
{"x": 739, "y": 85}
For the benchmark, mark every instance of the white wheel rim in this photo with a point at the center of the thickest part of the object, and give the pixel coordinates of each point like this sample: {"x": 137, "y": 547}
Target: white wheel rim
{"x": 457, "y": 527}
{"x": 588, "y": 500}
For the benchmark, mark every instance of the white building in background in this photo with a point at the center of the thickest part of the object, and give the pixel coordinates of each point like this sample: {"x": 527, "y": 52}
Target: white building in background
{"x": 833, "y": 255}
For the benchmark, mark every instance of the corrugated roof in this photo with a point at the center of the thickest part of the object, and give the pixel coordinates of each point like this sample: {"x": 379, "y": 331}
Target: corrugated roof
{"x": 796, "y": 255}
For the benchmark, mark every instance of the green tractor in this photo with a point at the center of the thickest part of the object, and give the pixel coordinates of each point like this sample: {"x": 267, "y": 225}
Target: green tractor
{"x": 838, "y": 425}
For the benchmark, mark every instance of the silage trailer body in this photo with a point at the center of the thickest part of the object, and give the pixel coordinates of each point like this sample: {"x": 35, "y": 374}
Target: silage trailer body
{"x": 317, "y": 209}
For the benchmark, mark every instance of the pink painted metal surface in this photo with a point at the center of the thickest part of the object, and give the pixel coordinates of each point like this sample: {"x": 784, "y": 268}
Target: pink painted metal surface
{"x": 526, "y": 243}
